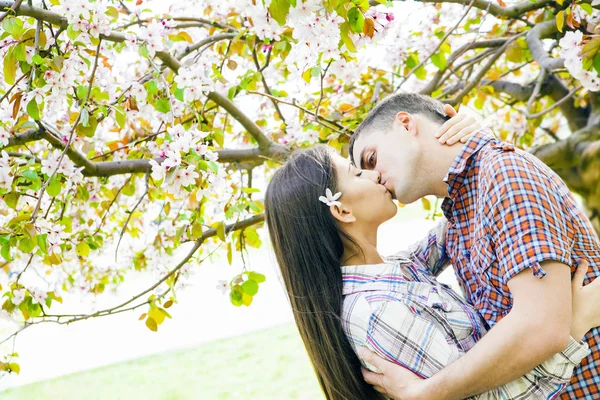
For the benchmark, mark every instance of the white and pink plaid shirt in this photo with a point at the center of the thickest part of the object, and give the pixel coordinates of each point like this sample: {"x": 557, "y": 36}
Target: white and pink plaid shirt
{"x": 399, "y": 310}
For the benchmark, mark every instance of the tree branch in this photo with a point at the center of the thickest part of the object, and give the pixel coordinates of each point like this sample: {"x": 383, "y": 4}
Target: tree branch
{"x": 496, "y": 10}
{"x": 436, "y": 48}
{"x": 205, "y": 235}
{"x": 534, "y": 41}
{"x": 474, "y": 82}
{"x": 434, "y": 83}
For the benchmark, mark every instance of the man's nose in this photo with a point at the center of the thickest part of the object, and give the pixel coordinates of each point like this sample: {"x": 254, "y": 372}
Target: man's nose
{"x": 373, "y": 175}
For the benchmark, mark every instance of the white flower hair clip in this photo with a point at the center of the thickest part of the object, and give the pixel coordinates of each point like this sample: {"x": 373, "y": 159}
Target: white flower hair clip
{"x": 331, "y": 199}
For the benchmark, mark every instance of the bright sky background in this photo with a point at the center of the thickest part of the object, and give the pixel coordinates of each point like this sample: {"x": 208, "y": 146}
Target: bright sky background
{"x": 50, "y": 350}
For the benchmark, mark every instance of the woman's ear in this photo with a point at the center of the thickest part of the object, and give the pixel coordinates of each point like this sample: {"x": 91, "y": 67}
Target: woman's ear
{"x": 342, "y": 213}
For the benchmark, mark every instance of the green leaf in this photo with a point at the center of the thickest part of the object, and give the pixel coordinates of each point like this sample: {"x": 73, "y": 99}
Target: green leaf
{"x": 72, "y": 33}
{"x": 229, "y": 254}
{"x": 179, "y": 94}
{"x": 42, "y": 242}
{"x": 218, "y": 136}
{"x": 597, "y": 63}
{"x": 82, "y": 249}
{"x": 37, "y": 59}
{"x": 5, "y": 251}
{"x": 412, "y": 61}
{"x": 11, "y": 199}
{"x": 213, "y": 166}
{"x": 356, "y": 20}
{"x": 33, "y": 110}
{"x": 129, "y": 189}
{"x": 14, "y": 26}
{"x": 250, "y": 287}
{"x": 163, "y": 105}
{"x": 255, "y": 276}
{"x": 421, "y": 73}
{"x": 120, "y": 116}
{"x": 54, "y": 187}
{"x": 439, "y": 60}
{"x": 26, "y": 245}
{"x": 587, "y": 8}
{"x": 19, "y": 52}
{"x": 90, "y": 129}
{"x": 235, "y": 296}
{"x": 143, "y": 50}
{"x": 81, "y": 92}
{"x": 279, "y": 9}
{"x": 112, "y": 12}
{"x": 152, "y": 87}
{"x": 346, "y": 39}
{"x": 30, "y": 174}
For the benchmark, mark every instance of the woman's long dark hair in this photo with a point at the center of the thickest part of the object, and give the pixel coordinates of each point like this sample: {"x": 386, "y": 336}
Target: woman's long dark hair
{"x": 308, "y": 246}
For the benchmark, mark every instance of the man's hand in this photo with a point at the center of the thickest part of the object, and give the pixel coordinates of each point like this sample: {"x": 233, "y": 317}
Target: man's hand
{"x": 394, "y": 381}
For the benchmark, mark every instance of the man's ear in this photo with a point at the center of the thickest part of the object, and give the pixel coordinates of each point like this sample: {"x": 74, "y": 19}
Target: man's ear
{"x": 407, "y": 121}
{"x": 342, "y": 213}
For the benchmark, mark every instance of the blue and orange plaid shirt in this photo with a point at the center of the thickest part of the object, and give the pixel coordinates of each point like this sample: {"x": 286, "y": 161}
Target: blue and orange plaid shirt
{"x": 508, "y": 211}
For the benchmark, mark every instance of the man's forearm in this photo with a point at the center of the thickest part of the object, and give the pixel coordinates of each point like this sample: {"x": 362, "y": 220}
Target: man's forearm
{"x": 511, "y": 349}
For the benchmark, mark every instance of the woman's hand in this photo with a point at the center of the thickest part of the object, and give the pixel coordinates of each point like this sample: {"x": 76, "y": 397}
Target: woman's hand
{"x": 586, "y": 303}
{"x": 461, "y": 127}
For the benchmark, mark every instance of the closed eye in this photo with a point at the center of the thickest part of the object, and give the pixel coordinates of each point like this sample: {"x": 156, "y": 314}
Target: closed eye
{"x": 359, "y": 174}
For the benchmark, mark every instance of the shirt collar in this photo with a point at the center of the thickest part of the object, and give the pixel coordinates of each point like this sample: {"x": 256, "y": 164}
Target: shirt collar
{"x": 458, "y": 169}
{"x": 377, "y": 277}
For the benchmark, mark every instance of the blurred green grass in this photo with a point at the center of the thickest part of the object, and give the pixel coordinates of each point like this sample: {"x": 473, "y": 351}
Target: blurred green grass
{"x": 268, "y": 364}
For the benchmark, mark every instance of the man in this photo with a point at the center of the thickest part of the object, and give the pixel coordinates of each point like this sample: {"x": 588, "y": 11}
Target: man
{"x": 515, "y": 234}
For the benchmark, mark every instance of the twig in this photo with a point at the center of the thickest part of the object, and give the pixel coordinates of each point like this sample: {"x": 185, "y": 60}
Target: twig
{"x": 131, "y": 214}
{"x": 412, "y": 71}
{"x": 12, "y": 87}
{"x": 264, "y": 80}
{"x": 558, "y": 103}
{"x": 43, "y": 189}
{"x": 113, "y": 201}
{"x": 11, "y": 10}
{"x": 36, "y": 52}
{"x": 536, "y": 89}
{"x": 323, "y": 74}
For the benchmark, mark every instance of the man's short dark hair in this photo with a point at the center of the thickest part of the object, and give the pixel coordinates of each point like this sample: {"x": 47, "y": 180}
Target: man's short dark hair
{"x": 383, "y": 115}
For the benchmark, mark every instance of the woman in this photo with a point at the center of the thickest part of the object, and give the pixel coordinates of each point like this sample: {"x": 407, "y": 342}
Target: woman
{"x": 323, "y": 214}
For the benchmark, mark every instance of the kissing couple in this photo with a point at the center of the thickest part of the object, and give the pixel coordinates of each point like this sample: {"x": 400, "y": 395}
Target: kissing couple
{"x": 524, "y": 253}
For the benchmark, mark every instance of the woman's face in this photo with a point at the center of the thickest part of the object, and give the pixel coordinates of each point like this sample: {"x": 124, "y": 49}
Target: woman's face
{"x": 369, "y": 201}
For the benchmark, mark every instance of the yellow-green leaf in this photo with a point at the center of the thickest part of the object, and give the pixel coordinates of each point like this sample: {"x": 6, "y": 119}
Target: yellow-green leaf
{"x": 151, "y": 324}
{"x": 82, "y": 249}
{"x": 426, "y": 203}
{"x": 10, "y": 68}
{"x": 14, "y": 367}
{"x": 221, "y": 231}
{"x": 560, "y": 20}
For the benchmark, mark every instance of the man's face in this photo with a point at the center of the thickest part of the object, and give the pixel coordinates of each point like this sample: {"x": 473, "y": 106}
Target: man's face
{"x": 394, "y": 154}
